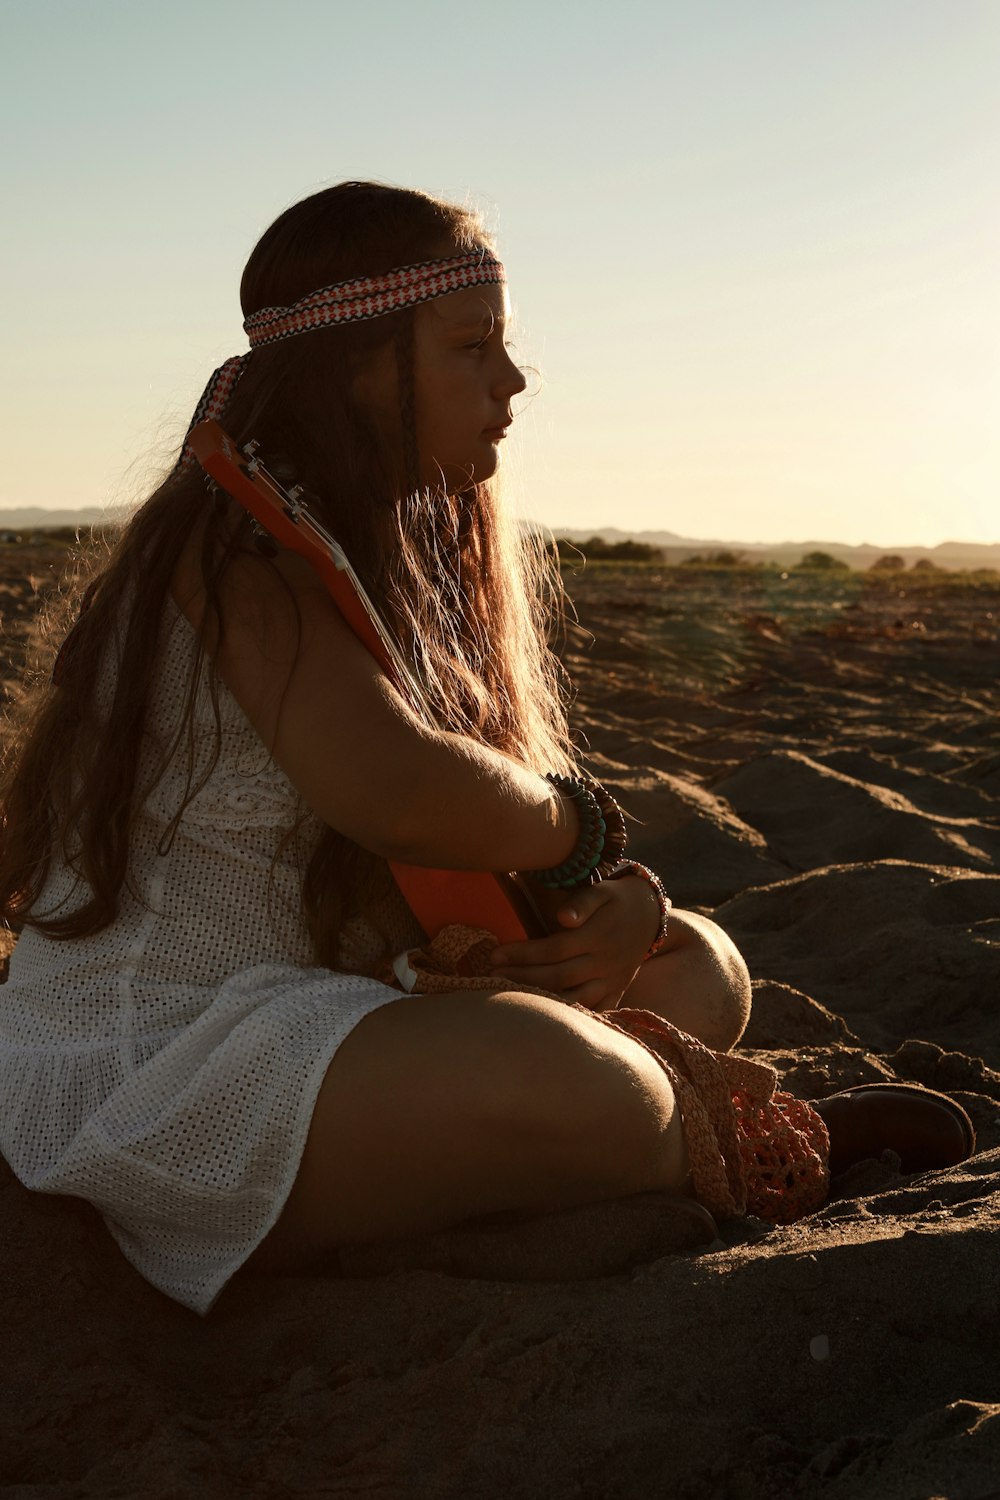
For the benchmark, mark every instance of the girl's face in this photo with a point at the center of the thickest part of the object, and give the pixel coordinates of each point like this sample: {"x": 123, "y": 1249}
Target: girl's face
{"x": 464, "y": 380}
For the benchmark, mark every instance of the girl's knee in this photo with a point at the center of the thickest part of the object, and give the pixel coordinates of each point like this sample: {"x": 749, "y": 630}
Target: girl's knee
{"x": 737, "y": 992}
{"x": 600, "y": 1097}
{"x": 727, "y": 981}
{"x": 700, "y": 982}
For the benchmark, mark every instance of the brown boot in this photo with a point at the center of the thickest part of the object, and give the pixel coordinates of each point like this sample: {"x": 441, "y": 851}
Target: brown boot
{"x": 926, "y": 1130}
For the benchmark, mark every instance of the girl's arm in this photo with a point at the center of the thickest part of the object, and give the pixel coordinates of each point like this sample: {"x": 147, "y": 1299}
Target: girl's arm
{"x": 351, "y": 745}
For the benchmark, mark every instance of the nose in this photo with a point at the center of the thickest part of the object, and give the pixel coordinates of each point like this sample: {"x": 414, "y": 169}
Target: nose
{"x": 511, "y": 380}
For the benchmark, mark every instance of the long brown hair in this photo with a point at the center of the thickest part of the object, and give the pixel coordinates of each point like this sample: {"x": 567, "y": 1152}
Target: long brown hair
{"x": 467, "y": 590}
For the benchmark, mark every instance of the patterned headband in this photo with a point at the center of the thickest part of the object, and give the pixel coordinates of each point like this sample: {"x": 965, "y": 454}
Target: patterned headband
{"x": 371, "y": 296}
{"x": 345, "y": 302}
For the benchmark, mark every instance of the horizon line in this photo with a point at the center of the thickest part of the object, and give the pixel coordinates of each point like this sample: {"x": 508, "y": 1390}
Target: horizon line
{"x": 636, "y": 534}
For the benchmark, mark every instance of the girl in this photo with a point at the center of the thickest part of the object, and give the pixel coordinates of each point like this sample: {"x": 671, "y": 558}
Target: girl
{"x": 202, "y": 1032}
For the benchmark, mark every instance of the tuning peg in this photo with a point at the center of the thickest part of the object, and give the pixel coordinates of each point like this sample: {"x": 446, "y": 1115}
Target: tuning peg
{"x": 293, "y": 501}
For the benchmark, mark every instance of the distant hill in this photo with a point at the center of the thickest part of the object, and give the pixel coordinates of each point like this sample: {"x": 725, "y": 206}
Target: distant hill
{"x": 676, "y": 548}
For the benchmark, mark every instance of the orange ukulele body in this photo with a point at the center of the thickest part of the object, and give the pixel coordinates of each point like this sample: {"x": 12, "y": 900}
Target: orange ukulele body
{"x": 437, "y": 898}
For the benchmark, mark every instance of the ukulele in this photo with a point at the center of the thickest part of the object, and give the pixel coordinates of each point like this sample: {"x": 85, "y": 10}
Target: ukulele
{"x": 497, "y": 902}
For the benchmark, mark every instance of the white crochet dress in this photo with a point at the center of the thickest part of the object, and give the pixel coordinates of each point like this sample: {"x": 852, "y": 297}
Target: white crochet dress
{"x": 167, "y": 1068}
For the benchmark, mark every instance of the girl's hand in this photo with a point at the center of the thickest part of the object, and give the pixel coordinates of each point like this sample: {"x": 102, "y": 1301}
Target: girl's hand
{"x": 606, "y": 931}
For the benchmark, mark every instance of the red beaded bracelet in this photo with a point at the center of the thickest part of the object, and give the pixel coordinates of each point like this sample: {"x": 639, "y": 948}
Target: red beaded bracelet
{"x": 631, "y": 867}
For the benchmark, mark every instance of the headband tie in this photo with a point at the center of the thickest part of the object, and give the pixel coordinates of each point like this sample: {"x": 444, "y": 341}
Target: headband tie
{"x": 344, "y": 302}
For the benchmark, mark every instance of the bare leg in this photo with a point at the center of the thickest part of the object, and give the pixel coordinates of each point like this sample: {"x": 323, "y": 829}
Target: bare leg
{"x": 440, "y": 1108}
{"x": 699, "y": 982}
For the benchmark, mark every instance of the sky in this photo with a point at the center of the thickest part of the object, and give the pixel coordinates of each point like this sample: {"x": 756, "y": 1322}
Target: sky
{"x": 752, "y": 245}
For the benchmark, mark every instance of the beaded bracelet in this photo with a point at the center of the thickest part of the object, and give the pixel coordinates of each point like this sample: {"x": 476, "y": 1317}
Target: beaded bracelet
{"x": 601, "y": 840}
{"x": 630, "y": 867}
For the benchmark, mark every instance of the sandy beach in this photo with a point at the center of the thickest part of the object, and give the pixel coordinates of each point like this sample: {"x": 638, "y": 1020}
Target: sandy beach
{"x": 814, "y": 760}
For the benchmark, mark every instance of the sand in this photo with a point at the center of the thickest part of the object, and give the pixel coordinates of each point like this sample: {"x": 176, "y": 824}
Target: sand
{"x": 817, "y": 765}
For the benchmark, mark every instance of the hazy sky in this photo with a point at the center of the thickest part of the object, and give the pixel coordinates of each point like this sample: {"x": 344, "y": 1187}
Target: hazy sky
{"x": 752, "y": 246}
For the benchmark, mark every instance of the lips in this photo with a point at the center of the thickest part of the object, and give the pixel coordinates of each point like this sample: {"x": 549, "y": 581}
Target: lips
{"x": 496, "y": 432}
